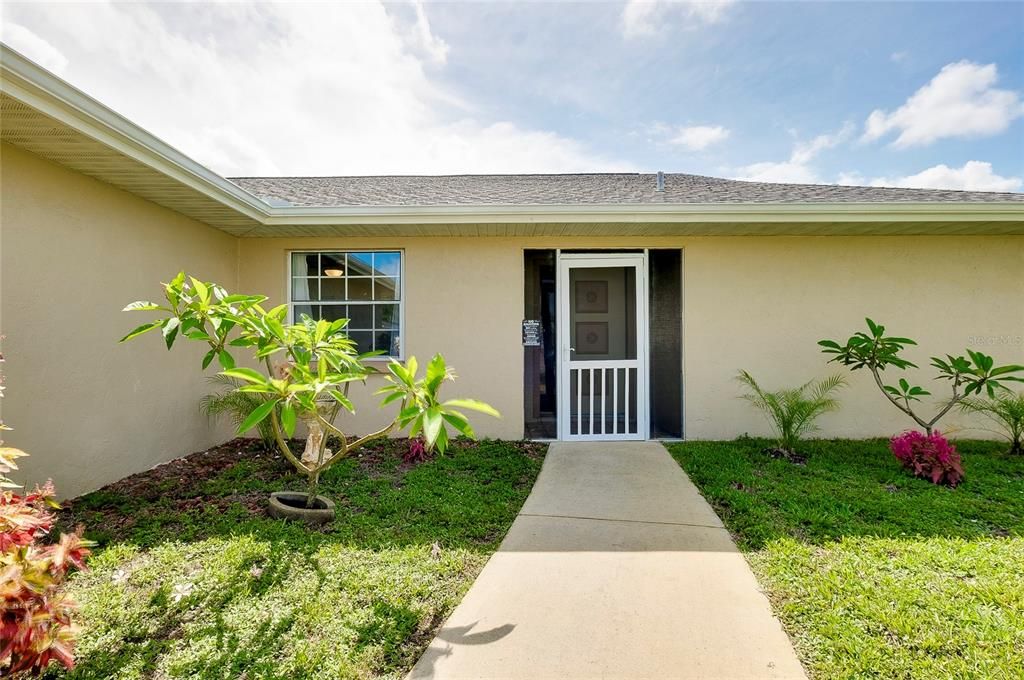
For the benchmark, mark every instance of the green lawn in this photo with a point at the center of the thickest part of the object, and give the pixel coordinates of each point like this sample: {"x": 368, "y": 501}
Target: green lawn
{"x": 193, "y": 580}
{"x": 873, "y": 573}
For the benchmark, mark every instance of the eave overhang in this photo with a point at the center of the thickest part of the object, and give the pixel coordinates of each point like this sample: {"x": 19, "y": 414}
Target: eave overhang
{"x": 47, "y": 116}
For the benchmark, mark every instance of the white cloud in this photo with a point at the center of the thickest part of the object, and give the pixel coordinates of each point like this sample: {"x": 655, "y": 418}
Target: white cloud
{"x": 961, "y": 101}
{"x": 973, "y": 176}
{"x": 699, "y": 137}
{"x": 33, "y": 47}
{"x": 900, "y": 56}
{"x": 689, "y": 138}
{"x": 783, "y": 171}
{"x": 797, "y": 168}
{"x": 434, "y": 47}
{"x": 290, "y": 88}
{"x": 647, "y": 17}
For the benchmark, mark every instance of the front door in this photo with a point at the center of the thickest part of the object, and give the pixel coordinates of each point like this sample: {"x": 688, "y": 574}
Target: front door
{"x": 602, "y": 326}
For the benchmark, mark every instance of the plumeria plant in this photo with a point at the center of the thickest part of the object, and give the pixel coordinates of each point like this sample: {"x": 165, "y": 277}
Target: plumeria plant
{"x": 967, "y": 375}
{"x": 306, "y": 369}
{"x": 36, "y": 625}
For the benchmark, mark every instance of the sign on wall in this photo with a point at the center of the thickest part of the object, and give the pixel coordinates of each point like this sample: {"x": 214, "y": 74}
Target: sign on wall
{"x": 531, "y": 333}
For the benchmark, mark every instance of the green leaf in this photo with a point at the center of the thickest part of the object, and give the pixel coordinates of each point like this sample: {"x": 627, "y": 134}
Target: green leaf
{"x": 208, "y": 358}
{"x": 432, "y": 424}
{"x": 288, "y": 419}
{"x": 246, "y": 374}
{"x": 171, "y": 330}
{"x": 459, "y": 423}
{"x": 226, "y": 360}
{"x": 143, "y": 306}
{"x": 343, "y": 400}
{"x": 436, "y": 372}
{"x": 144, "y": 328}
{"x": 201, "y": 289}
{"x": 473, "y": 405}
{"x": 257, "y": 416}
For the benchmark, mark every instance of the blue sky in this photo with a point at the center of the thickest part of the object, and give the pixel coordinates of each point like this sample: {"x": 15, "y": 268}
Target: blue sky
{"x": 913, "y": 94}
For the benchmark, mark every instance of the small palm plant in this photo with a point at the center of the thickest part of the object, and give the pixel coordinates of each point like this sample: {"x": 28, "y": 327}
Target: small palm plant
{"x": 793, "y": 412}
{"x": 1006, "y": 410}
{"x": 229, "y": 402}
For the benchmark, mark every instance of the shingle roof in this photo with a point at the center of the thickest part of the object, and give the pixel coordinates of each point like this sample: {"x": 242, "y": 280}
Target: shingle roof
{"x": 579, "y": 189}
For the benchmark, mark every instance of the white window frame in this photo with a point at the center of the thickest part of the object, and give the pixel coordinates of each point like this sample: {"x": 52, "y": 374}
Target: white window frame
{"x": 401, "y": 291}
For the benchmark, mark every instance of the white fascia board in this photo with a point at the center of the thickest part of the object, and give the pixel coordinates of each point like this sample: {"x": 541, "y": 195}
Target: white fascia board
{"x": 645, "y": 213}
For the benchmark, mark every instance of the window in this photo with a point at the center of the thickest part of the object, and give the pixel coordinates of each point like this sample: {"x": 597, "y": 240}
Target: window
{"x": 363, "y": 287}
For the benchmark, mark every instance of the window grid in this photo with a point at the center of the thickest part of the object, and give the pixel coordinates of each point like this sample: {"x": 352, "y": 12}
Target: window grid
{"x": 383, "y": 270}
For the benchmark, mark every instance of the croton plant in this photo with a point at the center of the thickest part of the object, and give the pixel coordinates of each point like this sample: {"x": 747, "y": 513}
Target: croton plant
{"x": 36, "y": 625}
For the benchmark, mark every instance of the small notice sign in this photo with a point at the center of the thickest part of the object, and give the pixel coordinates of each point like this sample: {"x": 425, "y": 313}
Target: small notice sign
{"x": 531, "y": 333}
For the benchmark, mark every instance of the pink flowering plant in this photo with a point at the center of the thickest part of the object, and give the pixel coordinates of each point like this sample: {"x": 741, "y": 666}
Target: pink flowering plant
{"x": 930, "y": 456}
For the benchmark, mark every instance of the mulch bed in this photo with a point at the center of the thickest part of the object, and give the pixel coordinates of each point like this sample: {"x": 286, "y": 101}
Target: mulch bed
{"x": 178, "y": 484}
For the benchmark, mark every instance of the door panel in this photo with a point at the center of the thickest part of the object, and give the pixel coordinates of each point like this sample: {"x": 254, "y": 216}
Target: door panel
{"x": 603, "y": 358}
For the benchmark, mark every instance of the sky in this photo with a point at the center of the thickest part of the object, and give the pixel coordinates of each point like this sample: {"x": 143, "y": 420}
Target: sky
{"x": 898, "y": 94}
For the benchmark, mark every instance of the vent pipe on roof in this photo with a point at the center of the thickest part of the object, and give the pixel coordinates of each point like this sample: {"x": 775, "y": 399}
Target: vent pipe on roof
{"x": 661, "y": 181}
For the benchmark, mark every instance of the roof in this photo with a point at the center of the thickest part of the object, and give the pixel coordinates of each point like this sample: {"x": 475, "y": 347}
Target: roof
{"x": 578, "y": 189}
{"x": 50, "y": 118}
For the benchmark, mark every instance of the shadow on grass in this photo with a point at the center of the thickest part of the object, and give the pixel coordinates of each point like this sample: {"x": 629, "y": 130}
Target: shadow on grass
{"x": 853, "y": 488}
{"x": 193, "y": 579}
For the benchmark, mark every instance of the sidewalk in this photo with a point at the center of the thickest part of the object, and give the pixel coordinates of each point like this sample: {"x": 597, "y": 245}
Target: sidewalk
{"x": 616, "y": 567}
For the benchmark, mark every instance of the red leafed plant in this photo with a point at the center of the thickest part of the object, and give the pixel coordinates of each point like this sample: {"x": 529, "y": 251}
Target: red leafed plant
{"x": 930, "y": 456}
{"x": 35, "y": 620}
{"x": 417, "y": 452}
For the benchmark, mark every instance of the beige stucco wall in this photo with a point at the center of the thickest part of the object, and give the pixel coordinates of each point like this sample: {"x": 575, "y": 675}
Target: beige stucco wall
{"x": 73, "y": 252}
{"x": 758, "y": 303}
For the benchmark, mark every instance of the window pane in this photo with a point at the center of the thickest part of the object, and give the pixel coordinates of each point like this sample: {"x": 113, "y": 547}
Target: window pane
{"x": 385, "y": 289}
{"x": 323, "y": 283}
{"x": 333, "y": 312}
{"x": 363, "y": 340}
{"x": 332, "y": 289}
{"x": 304, "y": 264}
{"x": 308, "y": 310}
{"x": 387, "y": 264}
{"x": 305, "y": 289}
{"x": 385, "y": 317}
{"x": 360, "y": 264}
{"x": 360, "y": 316}
{"x": 386, "y": 341}
{"x": 332, "y": 264}
{"x": 360, "y": 289}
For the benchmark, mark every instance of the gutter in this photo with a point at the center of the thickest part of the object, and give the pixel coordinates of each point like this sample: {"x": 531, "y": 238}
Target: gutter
{"x": 40, "y": 89}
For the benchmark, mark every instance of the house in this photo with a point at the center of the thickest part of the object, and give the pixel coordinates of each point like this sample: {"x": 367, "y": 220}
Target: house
{"x": 593, "y": 306}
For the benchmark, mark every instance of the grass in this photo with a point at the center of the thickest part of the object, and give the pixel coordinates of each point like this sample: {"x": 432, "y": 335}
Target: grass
{"x": 193, "y": 580}
{"x": 873, "y": 573}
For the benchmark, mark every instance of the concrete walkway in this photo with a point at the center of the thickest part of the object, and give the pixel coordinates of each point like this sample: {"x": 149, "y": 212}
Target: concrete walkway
{"x": 616, "y": 567}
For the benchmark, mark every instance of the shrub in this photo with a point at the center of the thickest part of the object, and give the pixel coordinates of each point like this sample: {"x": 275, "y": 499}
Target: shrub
{"x": 875, "y": 351}
{"x": 35, "y": 622}
{"x": 316, "y": 364}
{"x": 929, "y": 456}
{"x": 236, "y": 405}
{"x": 793, "y": 412}
{"x": 1006, "y": 410}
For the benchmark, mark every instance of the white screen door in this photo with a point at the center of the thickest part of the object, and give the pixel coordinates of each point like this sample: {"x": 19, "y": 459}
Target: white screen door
{"x": 602, "y": 326}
